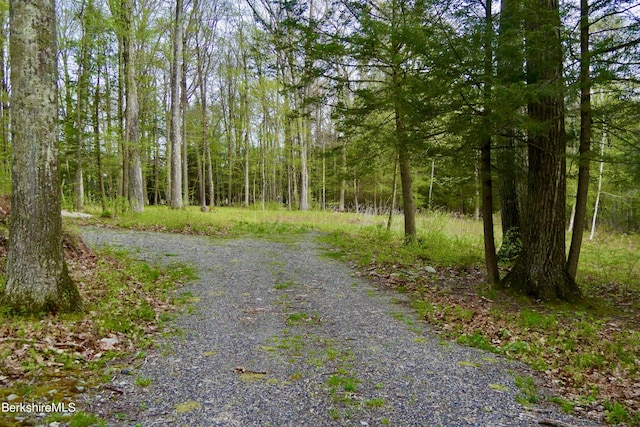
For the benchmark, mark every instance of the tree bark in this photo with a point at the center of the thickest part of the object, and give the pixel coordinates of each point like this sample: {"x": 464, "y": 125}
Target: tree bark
{"x": 96, "y": 139}
{"x": 392, "y": 207}
{"x": 580, "y": 217}
{"x": 183, "y": 113}
{"x": 37, "y": 278}
{"x": 82, "y": 97}
{"x": 176, "y": 161}
{"x": 135, "y": 189}
{"x": 4, "y": 95}
{"x": 491, "y": 261}
{"x": 509, "y": 71}
{"x": 541, "y": 268}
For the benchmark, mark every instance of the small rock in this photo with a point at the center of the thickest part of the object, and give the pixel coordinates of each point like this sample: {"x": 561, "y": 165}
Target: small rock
{"x": 109, "y": 343}
{"x": 430, "y": 269}
{"x": 79, "y": 388}
{"x": 12, "y": 397}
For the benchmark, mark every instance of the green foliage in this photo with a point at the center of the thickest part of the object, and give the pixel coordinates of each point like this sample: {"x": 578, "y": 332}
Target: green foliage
{"x": 511, "y": 245}
{"x": 528, "y": 394}
{"x": 348, "y": 384}
{"x": 617, "y": 413}
{"x": 477, "y": 339}
{"x": 532, "y": 319}
{"x": 77, "y": 419}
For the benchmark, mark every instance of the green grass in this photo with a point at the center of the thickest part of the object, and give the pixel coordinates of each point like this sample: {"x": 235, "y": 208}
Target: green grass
{"x": 528, "y": 394}
{"x": 143, "y": 382}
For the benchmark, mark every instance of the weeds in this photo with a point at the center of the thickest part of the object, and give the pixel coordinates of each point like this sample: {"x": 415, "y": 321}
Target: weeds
{"x": 528, "y": 394}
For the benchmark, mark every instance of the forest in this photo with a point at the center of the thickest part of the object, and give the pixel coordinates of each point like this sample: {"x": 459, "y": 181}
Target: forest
{"x": 463, "y": 154}
{"x": 324, "y": 105}
{"x": 366, "y": 106}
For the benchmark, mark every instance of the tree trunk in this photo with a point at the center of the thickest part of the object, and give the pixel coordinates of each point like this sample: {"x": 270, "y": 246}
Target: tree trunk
{"x": 580, "y": 216}
{"x": 176, "y": 161}
{"x": 599, "y": 190}
{"x": 136, "y": 184}
{"x": 37, "y": 278}
{"x": 4, "y": 99}
{"x": 183, "y": 129}
{"x": 96, "y": 139}
{"x": 393, "y": 194}
{"x": 491, "y": 261}
{"x": 82, "y": 101}
{"x": 509, "y": 72}
{"x": 541, "y": 268}
{"x": 304, "y": 171}
{"x": 343, "y": 183}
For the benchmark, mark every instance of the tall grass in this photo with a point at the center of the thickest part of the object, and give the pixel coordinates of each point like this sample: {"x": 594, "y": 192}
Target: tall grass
{"x": 442, "y": 239}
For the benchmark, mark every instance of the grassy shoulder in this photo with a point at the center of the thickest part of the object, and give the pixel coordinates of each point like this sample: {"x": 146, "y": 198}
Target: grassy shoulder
{"x": 587, "y": 354}
{"x": 51, "y": 360}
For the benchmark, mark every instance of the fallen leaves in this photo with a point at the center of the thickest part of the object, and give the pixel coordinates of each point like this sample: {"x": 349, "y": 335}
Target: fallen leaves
{"x": 123, "y": 303}
{"x": 249, "y": 375}
{"x": 576, "y": 355}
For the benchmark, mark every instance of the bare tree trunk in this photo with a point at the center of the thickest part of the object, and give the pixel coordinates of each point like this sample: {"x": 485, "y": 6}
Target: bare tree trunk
{"x": 433, "y": 175}
{"x": 168, "y": 160}
{"x": 4, "y": 95}
{"x": 580, "y": 217}
{"x": 183, "y": 129}
{"x": 355, "y": 195}
{"x": 96, "y": 139}
{"x": 176, "y": 161}
{"x": 343, "y": 184}
{"x": 491, "y": 260}
{"x": 136, "y": 183}
{"x": 247, "y": 124}
{"x": 394, "y": 192}
{"x": 541, "y": 268}
{"x": 410, "y": 233}
{"x": 82, "y": 101}
{"x": 599, "y": 191}
{"x": 303, "y": 136}
{"x": 509, "y": 72}
{"x": 212, "y": 194}
{"x": 36, "y": 278}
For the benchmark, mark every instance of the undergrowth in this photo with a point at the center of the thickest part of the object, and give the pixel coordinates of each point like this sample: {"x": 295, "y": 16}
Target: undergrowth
{"x": 52, "y": 359}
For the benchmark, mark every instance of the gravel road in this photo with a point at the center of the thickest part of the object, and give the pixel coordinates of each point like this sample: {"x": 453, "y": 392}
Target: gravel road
{"x": 282, "y": 336}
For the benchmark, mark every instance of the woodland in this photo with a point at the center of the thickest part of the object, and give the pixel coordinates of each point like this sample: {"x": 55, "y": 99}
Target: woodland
{"x": 526, "y": 108}
{"x": 504, "y": 134}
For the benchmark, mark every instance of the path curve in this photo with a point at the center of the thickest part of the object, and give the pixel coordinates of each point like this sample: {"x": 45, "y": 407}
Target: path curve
{"x": 282, "y": 336}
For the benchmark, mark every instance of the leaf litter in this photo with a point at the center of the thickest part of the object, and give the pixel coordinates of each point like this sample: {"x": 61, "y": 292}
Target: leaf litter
{"x": 58, "y": 356}
{"x": 571, "y": 364}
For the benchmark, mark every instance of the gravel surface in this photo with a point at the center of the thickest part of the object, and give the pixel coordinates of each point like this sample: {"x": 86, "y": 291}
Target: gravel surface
{"x": 281, "y": 336}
